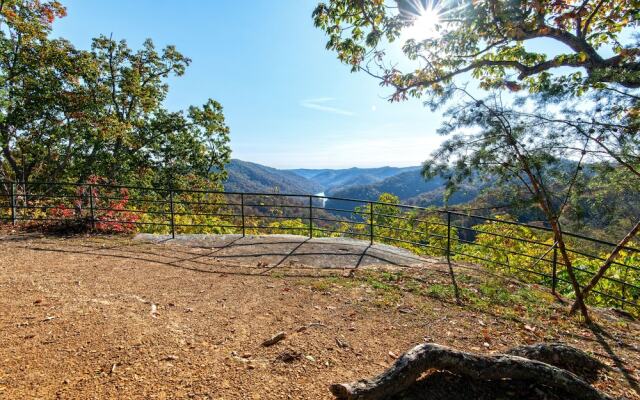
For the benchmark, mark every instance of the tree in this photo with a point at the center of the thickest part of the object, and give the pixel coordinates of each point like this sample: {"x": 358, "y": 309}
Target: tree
{"x": 67, "y": 114}
{"x": 508, "y": 148}
{"x": 489, "y": 40}
{"x": 193, "y": 144}
{"x": 38, "y": 106}
{"x": 133, "y": 134}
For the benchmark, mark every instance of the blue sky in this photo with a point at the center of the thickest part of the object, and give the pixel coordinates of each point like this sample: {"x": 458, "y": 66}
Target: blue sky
{"x": 288, "y": 101}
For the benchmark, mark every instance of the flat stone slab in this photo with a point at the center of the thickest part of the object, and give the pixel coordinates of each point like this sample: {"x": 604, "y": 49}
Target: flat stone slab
{"x": 285, "y": 250}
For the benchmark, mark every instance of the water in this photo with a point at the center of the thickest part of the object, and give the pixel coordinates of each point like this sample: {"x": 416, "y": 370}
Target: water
{"x": 321, "y": 194}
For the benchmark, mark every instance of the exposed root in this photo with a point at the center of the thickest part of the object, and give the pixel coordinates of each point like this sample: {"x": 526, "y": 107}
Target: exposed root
{"x": 429, "y": 356}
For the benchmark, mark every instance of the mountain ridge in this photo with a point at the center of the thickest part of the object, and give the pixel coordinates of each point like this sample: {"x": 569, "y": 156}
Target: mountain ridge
{"x": 330, "y": 179}
{"x": 246, "y": 176}
{"x": 350, "y": 183}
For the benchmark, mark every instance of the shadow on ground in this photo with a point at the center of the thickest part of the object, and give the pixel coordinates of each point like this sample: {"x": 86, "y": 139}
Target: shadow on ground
{"x": 290, "y": 255}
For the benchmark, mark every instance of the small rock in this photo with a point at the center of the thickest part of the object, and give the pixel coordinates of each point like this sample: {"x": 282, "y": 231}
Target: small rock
{"x": 348, "y": 274}
{"x": 288, "y": 356}
{"x": 301, "y": 329}
{"x": 310, "y": 358}
{"x": 274, "y": 339}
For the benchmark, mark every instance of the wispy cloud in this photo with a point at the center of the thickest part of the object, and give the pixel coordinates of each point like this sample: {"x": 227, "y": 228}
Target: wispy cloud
{"x": 319, "y": 104}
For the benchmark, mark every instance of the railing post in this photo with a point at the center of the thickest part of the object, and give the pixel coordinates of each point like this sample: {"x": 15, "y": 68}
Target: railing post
{"x": 25, "y": 201}
{"x": 310, "y": 217}
{"x": 624, "y": 288}
{"x": 173, "y": 227}
{"x": 91, "y": 209}
{"x": 242, "y": 213}
{"x": 371, "y": 233}
{"x": 12, "y": 199}
{"x": 456, "y": 291}
{"x": 554, "y": 277}
{"x": 449, "y": 237}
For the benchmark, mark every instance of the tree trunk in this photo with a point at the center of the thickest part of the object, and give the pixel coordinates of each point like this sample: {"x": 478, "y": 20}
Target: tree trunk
{"x": 607, "y": 264}
{"x": 546, "y": 204}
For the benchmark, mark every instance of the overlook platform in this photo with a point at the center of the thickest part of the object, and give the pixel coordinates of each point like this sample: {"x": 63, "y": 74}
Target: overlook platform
{"x": 273, "y": 251}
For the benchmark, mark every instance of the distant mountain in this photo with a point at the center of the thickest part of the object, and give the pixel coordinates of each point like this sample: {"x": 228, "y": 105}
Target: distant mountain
{"x": 409, "y": 186}
{"x": 404, "y": 185}
{"x": 246, "y": 176}
{"x": 331, "y": 179}
{"x": 352, "y": 183}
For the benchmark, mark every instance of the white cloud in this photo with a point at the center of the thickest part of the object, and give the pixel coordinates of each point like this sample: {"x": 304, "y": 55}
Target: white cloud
{"x": 318, "y": 104}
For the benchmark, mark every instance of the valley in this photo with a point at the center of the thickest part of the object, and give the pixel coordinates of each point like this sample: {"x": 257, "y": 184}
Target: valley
{"x": 354, "y": 183}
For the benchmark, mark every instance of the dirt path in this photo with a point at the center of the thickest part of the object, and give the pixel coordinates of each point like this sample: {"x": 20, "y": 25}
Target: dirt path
{"x": 93, "y": 317}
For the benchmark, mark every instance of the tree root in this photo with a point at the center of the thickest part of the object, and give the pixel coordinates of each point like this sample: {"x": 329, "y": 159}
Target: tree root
{"x": 561, "y": 356}
{"x": 411, "y": 365}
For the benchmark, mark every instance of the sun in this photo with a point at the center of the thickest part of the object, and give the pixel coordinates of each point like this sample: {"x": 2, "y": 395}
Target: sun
{"x": 425, "y": 19}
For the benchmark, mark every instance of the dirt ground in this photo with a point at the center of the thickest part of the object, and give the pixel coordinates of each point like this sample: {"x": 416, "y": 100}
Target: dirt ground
{"x": 110, "y": 317}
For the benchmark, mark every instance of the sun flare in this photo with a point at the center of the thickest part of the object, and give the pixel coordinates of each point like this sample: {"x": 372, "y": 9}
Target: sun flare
{"x": 425, "y": 19}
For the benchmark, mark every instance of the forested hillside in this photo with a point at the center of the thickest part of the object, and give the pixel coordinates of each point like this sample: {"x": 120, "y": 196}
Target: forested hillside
{"x": 410, "y": 187}
{"x": 332, "y": 179}
{"x": 246, "y": 176}
{"x": 405, "y": 185}
{"x": 436, "y": 197}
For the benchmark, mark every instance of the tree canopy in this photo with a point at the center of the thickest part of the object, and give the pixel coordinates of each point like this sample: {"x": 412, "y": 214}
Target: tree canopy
{"x": 489, "y": 39}
{"x": 67, "y": 114}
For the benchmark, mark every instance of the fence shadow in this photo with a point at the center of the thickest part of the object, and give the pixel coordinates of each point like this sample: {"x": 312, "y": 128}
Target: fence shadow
{"x": 237, "y": 256}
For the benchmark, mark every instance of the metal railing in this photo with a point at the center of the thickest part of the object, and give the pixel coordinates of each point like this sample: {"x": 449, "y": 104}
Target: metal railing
{"x": 524, "y": 250}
